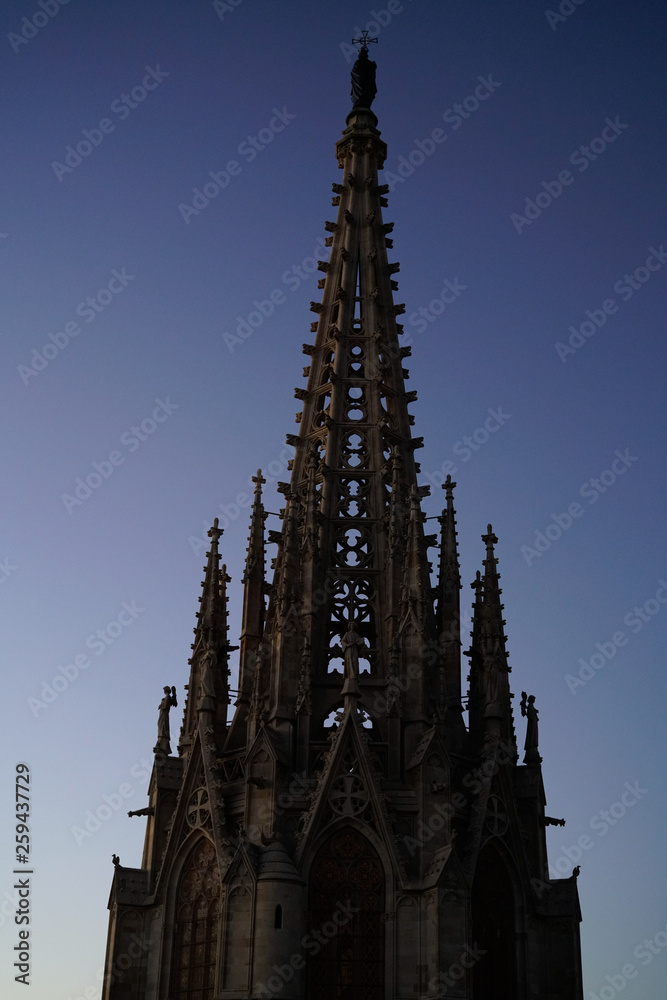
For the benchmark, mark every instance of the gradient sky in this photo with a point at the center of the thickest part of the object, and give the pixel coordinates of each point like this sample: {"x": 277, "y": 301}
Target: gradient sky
{"x": 167, "y": 330}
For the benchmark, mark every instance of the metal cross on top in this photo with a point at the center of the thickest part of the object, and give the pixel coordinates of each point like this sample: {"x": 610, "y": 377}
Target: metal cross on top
{"x": 364, "y": 40}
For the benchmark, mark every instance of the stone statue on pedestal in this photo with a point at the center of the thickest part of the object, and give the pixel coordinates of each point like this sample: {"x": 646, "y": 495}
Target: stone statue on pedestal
{"x": 363, "y": 80}
{"x": 169, "y": 700}
{"x": 351, "y": 644}
{"x": 207, "y": 681}
{"x": 528, "y": 710}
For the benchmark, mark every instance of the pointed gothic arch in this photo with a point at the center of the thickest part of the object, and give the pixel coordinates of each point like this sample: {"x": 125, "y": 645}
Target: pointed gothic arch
{"x": 196, "y": 925}
{"x": 347, "y": 875}
{"x": 494, "y": 928}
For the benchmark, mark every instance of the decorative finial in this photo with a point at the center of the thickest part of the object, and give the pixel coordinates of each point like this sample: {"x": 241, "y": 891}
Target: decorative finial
{"x": 449, "y": 487}
{"x": 490, "y": 540}
{"x": 215, "y": 532}
{"x": 363, "y": 74}
{"x": 364, "y": 40}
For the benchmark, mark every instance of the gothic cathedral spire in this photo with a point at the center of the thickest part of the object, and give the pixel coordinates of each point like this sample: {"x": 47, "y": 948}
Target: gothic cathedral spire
{"x": 349, "y": 832}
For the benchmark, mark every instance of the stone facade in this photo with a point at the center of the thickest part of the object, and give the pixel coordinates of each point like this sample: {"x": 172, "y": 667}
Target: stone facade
{"x": 348, "y": 832}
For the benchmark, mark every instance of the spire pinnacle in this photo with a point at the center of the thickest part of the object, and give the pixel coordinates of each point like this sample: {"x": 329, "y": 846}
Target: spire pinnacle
{"x": 449, "y": 611}
{"x": 211, "y": 586}
{"x": 259, "y": 481}
{"x": 215, "y": 533}
{"x": 490, "y": 540}
{"x": 495, "y": 668}
{"x": 450, "y": 577}
{"x": 255, "y": 552}
{"x": 252, "y": 620}
{"x": 352, "y": 545}
{"x": 208, "y": 687}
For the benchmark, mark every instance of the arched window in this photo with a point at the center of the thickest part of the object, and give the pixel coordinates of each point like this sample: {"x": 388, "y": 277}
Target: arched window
{"x": 346, "y": 912}
{"x": 196, "y": 932}
{"x": 493, "y": 928}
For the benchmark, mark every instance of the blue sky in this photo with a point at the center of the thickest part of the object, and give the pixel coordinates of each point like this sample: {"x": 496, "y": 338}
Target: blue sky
{"x": 531, "y": 217}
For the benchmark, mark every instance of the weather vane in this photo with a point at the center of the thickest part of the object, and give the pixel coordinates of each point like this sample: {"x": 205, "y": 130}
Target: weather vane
{"x": 364, "y": 40}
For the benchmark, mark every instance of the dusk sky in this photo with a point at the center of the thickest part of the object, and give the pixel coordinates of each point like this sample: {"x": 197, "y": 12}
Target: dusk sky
{"x": 167, "y": 175}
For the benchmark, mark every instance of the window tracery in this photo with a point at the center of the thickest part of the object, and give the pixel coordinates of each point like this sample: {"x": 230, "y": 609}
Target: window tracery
{"x": 348, "y": 878}
{"x": 196, "y": 930}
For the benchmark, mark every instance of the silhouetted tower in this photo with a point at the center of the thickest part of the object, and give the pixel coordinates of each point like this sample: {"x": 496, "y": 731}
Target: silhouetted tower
{"x": 348, "y": 833}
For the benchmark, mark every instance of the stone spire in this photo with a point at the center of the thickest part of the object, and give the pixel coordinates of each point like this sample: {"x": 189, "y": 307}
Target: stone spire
{"x": 415, "y": 597}
{"x": 495, "y": 668}
{"x": 347, "y": 753}
{"x": 449, "y": 611}
{"x": 449, "y": 580}
{"x": 475, "y": 706}
{"x": 353, "y": 470}
{"x": 254, "y": 591}
{"x": 208, "y": 687}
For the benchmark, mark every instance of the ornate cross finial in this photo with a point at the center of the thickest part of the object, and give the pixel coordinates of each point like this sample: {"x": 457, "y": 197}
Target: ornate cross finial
{"x": 215, "y": 532}
{"x": 490, "y": 540}
{"x": 449, "y": 487}
{"x": 364, "y": 40}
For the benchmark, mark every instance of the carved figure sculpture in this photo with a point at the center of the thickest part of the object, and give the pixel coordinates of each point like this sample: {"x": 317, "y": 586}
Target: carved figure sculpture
{"x": 393, "y": 704}
{"x": 491, "y": 676}
{"x": 351, "y": 643}
{"x": 169, "y": 700}
{"x": 207, "y": 684}
{"x": 363, "y": 80}
{"x": 528, "y": 710}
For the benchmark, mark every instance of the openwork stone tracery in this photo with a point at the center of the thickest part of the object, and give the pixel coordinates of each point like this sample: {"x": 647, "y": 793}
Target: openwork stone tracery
{"x": 197, "y": 926}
